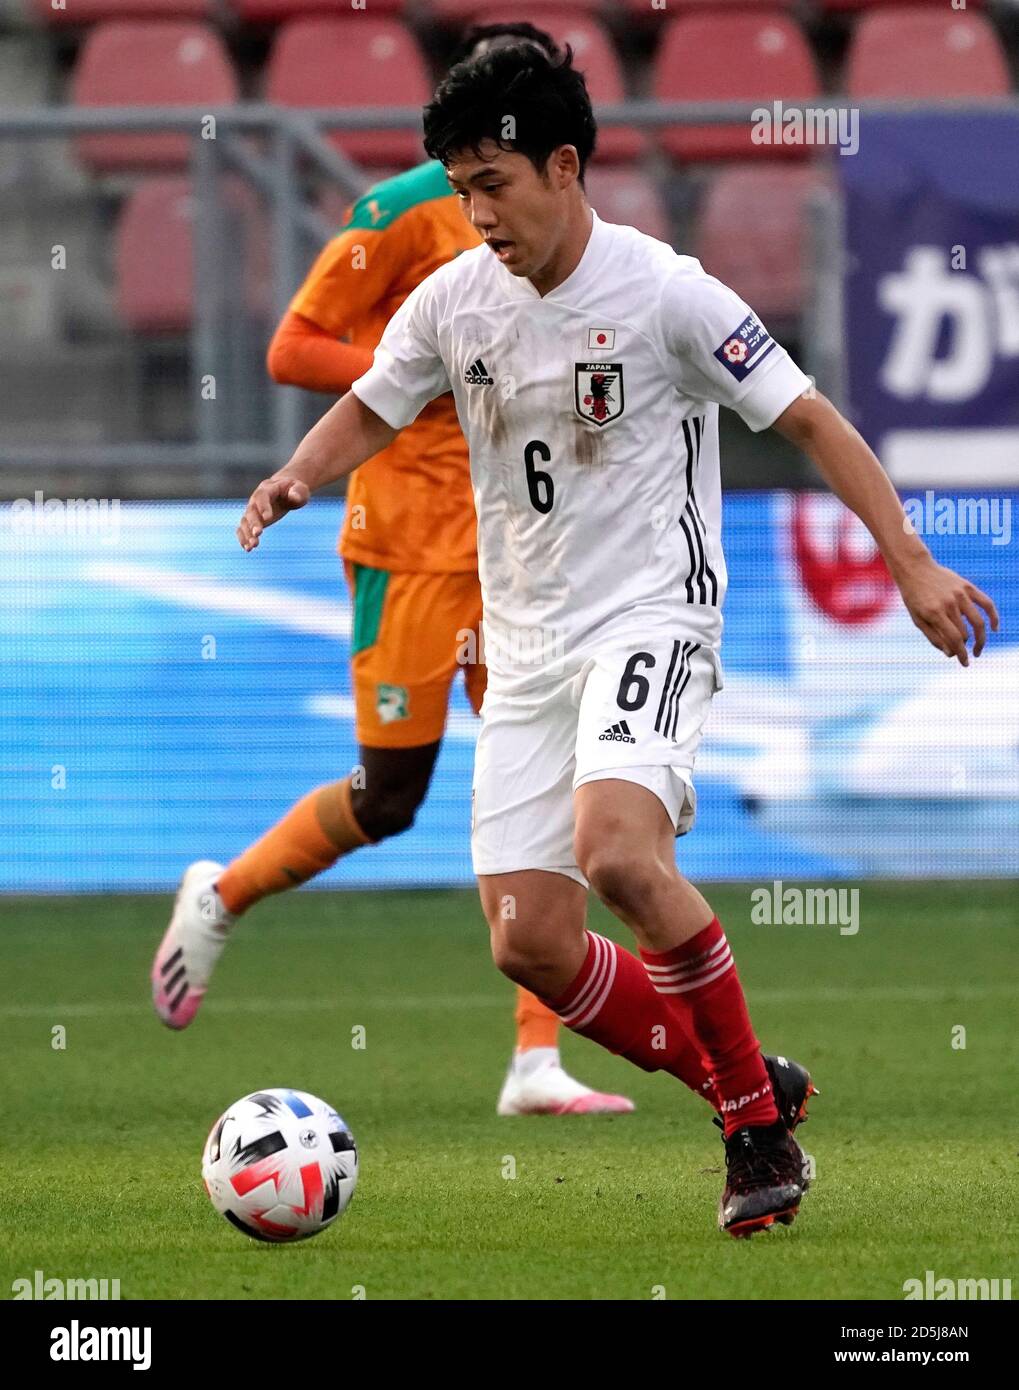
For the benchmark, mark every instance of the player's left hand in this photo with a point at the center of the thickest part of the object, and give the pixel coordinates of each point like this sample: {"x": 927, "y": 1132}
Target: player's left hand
{"x": 941, "y": 602}
{"x": 269, "y": 501}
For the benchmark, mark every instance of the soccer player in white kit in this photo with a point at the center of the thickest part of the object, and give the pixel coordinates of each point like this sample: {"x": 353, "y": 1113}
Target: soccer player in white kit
{"x": 588, "y": 362}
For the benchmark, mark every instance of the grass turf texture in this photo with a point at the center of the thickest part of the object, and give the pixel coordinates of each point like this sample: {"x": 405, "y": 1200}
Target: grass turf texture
{"x": 916, "y": 1163}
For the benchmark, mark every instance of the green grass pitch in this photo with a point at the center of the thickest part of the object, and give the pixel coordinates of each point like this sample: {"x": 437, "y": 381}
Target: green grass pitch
{"x": 913, "y": 1138}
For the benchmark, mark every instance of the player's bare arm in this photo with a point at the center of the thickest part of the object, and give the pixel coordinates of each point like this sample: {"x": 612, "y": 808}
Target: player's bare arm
{"x": 939, "y": 601}
{"x": 347, "y": 435}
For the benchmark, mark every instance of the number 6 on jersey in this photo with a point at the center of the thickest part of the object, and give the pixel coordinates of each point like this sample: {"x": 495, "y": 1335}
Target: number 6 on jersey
{"x": 540, "y": 487}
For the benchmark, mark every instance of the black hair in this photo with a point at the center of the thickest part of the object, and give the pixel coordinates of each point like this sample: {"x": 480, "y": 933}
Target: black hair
{"x": 478, "y": 33}
{"x": 545, "y": 94}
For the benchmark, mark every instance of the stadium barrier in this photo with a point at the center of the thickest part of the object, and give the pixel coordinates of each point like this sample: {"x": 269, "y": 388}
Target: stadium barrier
{"x": 269, "y": 151}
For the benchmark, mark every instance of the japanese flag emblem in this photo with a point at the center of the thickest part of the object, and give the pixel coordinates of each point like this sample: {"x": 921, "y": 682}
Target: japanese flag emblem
{"x": 601, "y": 339}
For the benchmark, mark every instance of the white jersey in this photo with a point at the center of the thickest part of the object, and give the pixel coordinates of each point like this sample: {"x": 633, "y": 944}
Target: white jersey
{"x": 591, "y": 415}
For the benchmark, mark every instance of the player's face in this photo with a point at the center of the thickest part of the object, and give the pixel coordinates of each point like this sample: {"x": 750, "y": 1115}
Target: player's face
{"x": 521, "y": 214}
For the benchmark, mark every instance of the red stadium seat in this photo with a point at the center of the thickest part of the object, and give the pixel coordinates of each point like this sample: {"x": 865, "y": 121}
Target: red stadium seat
{"x": 460, "y": 11}
{"x": 623, "y": 195}
{"x": 731, "y": 57}
{"x": 95, "y": 11}
{"x": 752, "y": 232}
{"x": 149, "y": 63}
{"x": 278, "y": 11}
{"x": 595, "y": 56}
{"x": 840, "y": 6}
{"x": 905, "y": 52}
{"x": 360, "y": 61}
{"x": 153, "y": 255}
{"x": 641, "y": 9}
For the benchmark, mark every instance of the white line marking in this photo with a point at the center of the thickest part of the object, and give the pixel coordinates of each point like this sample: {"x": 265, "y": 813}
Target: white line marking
{"x": 117, "y": 1007}
{"x": 402, "y": 1003}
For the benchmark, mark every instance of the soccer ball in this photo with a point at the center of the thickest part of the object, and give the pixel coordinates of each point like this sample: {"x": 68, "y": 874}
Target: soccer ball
{"x": 280, "y": 1165}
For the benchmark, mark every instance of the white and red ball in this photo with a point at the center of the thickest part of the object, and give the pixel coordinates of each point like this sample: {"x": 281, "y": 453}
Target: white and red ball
{"x": 280, "y": 1165}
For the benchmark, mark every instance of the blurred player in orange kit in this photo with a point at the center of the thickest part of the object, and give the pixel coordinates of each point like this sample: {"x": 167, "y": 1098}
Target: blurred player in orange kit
{"x": 410, "y": 555}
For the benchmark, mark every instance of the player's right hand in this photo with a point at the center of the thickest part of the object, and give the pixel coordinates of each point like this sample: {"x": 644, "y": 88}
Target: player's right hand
{"x": 269, "y": 501}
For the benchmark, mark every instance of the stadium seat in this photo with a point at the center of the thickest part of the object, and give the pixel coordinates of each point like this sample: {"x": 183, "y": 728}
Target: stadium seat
{"x": 731, "y": 57}
{"x": 278, "y": 11}
{"x": 153, "y": 254}
{"x": 841, "y": 6}
{"x": 475, "y": 11}
{"x": 360, "y": 61}
{"x": 595, "y": 56}
{"x": 629, "y": 197}
{"x": 152, "y": 257}
{"x": 95, "y": 11}
{"x": 907, "y": 52}
{"x": 641, "y": 9}
{"x": 148, "y": 63}
{"x": 771, "y": 267}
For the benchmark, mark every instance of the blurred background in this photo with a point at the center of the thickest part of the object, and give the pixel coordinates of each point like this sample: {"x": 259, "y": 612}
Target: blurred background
{"x": 168, "y": 170}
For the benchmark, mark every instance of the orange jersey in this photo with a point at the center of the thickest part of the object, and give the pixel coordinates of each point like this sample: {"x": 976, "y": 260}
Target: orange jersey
{"x": 410, "y": 507}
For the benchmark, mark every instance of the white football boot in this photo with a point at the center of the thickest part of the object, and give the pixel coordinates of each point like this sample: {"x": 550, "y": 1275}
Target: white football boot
{"x": 536, "y": 1084}
{"x": 191, "y": 947}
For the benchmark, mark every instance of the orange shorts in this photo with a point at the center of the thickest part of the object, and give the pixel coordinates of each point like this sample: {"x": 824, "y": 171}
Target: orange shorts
{"x": 411, "y": 634}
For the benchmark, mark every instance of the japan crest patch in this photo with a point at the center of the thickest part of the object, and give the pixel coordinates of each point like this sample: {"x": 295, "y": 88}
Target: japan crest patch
{"x": 598, "y": 391}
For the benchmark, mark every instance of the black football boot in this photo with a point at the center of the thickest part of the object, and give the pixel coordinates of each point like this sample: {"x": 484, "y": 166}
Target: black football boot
{"x": 792, "y": 1087}
{"x": 764, "y": 1179}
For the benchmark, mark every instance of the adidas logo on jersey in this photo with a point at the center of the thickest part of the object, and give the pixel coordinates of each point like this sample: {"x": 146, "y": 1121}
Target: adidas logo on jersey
{"x": 617, "y": 733}
{"x": 477, "y": 375}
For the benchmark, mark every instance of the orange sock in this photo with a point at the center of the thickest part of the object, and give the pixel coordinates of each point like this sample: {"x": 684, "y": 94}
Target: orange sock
{"x": 308, "y": 840}
{"x": 536, "y": 1025}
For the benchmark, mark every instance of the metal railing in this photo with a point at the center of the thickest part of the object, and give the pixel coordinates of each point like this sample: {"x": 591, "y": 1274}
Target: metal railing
{"x": 270, "y": 148}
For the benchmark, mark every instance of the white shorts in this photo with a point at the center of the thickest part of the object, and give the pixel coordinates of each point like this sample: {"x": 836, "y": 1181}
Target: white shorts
{"x": 634, "y": 712}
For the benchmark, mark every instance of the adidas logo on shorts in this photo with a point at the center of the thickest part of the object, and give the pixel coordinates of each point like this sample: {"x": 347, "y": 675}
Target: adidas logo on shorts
{"x": 617, "y": 733}
{"x": 477, "y": 375}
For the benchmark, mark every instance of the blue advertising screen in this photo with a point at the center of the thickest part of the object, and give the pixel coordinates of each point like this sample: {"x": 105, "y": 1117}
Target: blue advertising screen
{"x": 165, "y": 697}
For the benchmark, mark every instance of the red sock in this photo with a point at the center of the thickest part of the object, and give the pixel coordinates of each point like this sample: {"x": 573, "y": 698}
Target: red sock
{"x": 612, "y": 1002}
{"x": 699, "y": 979}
